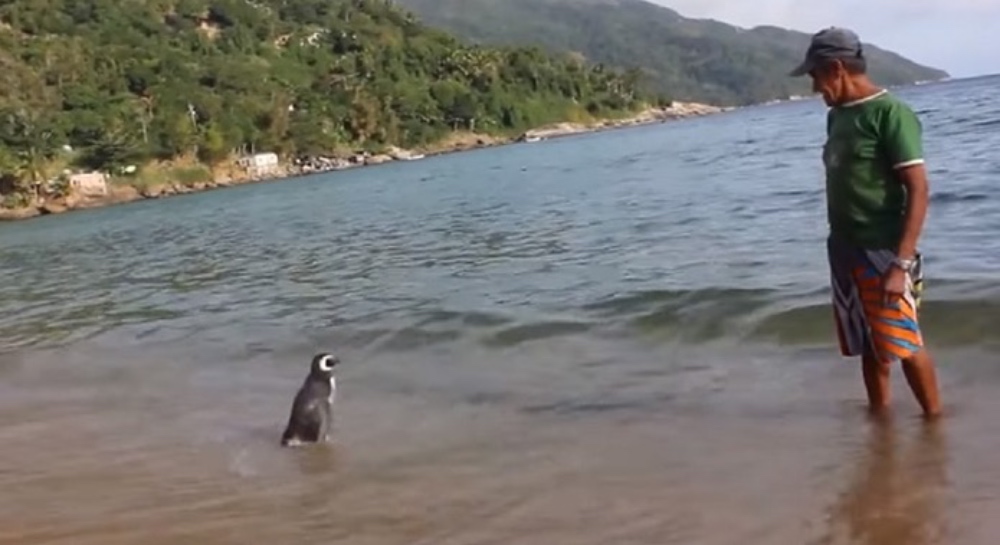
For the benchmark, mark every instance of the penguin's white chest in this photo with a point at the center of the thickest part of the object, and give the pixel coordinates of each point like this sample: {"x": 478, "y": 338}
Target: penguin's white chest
{"x": 333, "y": 389}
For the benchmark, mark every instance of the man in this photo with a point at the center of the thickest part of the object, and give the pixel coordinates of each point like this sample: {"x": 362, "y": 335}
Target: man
{"x": 876, "y": 187}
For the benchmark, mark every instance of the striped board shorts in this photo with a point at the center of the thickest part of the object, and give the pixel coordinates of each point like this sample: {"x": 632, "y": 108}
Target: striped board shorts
{"x": 864, "y": 320}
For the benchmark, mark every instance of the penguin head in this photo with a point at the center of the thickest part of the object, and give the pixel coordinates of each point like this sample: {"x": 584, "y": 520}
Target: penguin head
{"x": 323, "y": 364}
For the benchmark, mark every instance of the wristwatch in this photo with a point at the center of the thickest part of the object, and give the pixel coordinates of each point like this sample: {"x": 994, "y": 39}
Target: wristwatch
{"x": 905, "y": 264}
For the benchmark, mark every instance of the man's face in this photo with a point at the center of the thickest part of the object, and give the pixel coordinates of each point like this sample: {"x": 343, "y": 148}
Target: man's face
{"x": 829, "y": 80}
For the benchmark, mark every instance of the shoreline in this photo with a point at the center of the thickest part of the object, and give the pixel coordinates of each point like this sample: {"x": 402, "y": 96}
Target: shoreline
{"x": 230, "y": 175}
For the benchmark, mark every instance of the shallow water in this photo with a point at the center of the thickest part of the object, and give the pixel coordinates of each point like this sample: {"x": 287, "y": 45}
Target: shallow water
{"x": 618, "y": 337}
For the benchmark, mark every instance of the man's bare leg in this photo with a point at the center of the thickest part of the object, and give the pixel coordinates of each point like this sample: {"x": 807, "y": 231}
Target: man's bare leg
{"x": 922, "y": 378}
{"x": 876, "y": 376}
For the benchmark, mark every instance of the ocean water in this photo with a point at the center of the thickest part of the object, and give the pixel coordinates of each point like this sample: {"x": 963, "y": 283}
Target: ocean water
{"x": 620, "y": 337}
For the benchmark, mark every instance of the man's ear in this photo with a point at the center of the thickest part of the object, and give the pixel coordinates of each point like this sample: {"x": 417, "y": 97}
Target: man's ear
{"x": 836, "y": 68}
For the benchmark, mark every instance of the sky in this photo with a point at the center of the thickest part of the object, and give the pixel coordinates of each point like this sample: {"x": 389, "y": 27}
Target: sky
{"x": 947, "y": 34}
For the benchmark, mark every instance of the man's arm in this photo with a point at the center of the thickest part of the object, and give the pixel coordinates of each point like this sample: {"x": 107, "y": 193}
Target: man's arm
{"x": 902, "y": 136}
{"x": 917, "y": 194}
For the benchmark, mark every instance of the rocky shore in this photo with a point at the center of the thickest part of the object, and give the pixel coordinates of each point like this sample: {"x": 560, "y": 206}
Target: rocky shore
{"x": 678, "y": 110}
{"x": 118, "y": 193}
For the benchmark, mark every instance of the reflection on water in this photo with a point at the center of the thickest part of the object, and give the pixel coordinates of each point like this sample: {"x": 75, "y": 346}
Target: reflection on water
{"x": 895, "y": 494}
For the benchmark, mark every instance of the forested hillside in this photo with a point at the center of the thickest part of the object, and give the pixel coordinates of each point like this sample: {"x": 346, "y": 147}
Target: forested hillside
{"x": 126, "y": 81}
{"x": 689, "y": 59}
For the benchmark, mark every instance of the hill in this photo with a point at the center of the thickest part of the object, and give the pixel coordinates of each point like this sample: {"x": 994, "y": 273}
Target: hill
{"x": 103, "y": 84}
{"x": 690, "y": 59}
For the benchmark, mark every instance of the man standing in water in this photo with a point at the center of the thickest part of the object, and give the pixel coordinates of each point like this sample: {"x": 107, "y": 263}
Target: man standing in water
{"x": 877, "y": 195}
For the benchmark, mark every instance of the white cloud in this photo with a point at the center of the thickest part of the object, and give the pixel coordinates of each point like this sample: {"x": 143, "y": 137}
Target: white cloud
{"x": 950, "y": 34}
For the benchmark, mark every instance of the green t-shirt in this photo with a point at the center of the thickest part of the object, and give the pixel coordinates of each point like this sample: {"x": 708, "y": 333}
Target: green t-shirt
{"x": 867, "y": 140}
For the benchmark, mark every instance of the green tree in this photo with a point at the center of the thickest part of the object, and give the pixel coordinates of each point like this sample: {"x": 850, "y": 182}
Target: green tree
{"x": 213, "y": 148}
{"x": 32, "y": 142}
{"x": 123, "y": 82}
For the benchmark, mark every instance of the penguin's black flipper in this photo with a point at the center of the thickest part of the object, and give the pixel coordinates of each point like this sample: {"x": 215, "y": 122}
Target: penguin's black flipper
{"x": 305, "y": 424}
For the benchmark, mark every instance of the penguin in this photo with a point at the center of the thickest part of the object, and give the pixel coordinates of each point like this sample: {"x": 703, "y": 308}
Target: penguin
{"x": 312, "y": 409}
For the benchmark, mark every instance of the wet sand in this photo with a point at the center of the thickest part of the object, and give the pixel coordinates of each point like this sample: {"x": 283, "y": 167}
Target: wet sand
{"x": 105, "y": 446}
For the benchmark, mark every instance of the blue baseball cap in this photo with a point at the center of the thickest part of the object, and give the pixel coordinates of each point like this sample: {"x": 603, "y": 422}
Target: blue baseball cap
{"x": 828, "y": 44}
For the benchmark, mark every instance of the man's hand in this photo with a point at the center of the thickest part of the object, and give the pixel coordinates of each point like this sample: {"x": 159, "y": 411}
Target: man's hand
{"x": 915, "y": 179}
{"x": 893, "y": 284}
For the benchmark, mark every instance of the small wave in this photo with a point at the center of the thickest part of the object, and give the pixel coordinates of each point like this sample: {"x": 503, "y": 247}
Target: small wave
{"x": 786, "y": 318}
{"x": 987, "y": 123}
{"x": 629, "y": 159}
{"x": 797, "y": 193}
{"x": 685, "y": 316}
{"x": 472, "y": 319}
{"x": 796, "y": 149}
{"x": 409, "y": 338}
{"x": 951, "y": 323}
{"x": 576, "y": 407}
{"x": 672, "y": 299}
{"x": 959, "y": 313}
{"x": 948, "y": 197}
{"x": 516, "y": 335}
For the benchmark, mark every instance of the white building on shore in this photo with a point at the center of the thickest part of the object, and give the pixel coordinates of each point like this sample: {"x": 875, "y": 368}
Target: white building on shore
{"x": 260, "y": 164}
